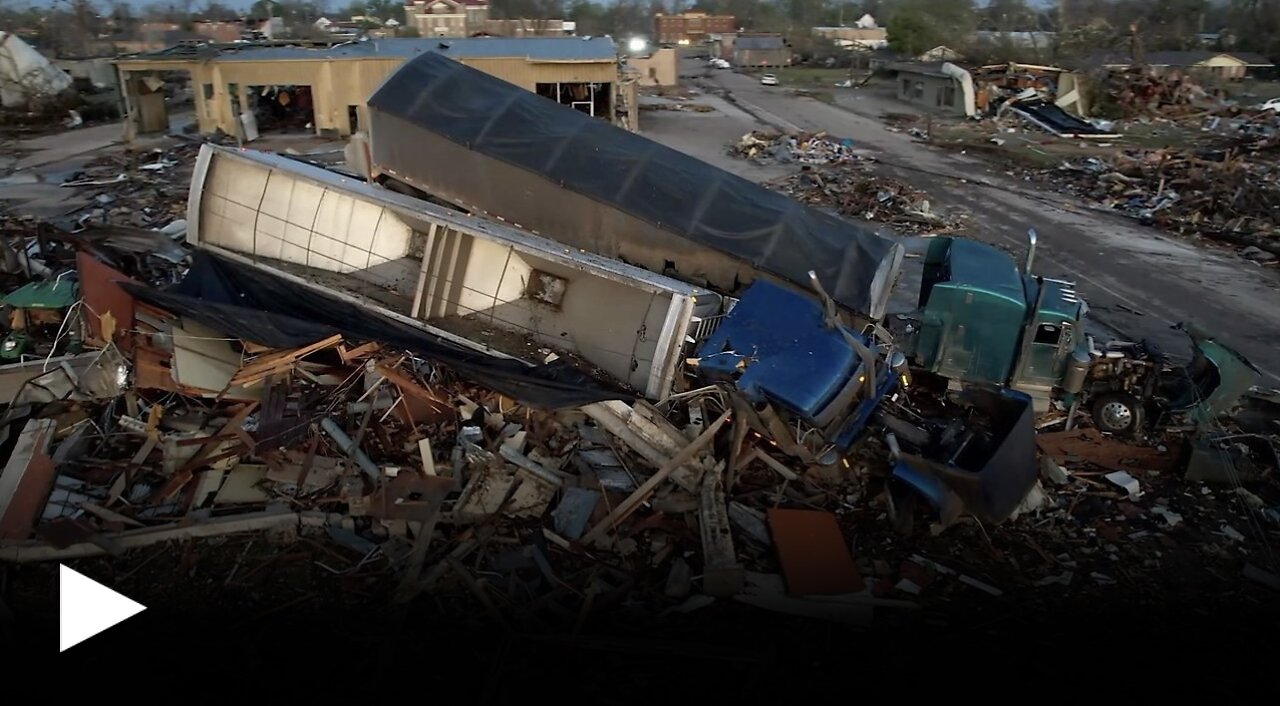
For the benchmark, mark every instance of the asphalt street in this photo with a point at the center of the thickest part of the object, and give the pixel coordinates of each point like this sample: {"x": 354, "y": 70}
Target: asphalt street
{"x": 1137, "y": 281}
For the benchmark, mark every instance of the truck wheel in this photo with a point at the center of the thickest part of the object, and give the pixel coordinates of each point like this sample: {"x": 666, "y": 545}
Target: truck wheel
{"x": 1118, "y": 413}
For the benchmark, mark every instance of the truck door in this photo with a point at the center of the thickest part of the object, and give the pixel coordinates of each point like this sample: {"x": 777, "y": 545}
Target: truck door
{"x": 1043, "y": 357}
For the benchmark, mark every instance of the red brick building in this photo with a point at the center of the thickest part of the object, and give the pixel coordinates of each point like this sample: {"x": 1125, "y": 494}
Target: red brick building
{"x": 691, "y": 27}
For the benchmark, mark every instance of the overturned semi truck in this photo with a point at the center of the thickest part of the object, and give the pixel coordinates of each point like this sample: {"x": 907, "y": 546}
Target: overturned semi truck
{"x": 799, "y": 339}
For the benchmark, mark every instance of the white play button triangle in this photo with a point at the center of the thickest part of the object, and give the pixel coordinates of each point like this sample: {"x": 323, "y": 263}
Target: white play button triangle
{"x": 86, "y": 608}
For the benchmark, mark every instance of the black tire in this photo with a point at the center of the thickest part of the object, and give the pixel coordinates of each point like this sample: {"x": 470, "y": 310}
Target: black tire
{"x": 1118, "y": 413}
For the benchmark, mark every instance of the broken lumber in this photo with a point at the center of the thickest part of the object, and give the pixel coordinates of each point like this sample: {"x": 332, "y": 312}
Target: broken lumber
{"x": 628, "y": 506}
{"x": 133, "y": 539}
{"x": 278, "y": 362}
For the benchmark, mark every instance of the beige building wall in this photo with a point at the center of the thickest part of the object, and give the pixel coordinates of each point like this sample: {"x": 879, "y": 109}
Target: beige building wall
{"x": 657, "y": 69}
{"x": 220, "y": 87}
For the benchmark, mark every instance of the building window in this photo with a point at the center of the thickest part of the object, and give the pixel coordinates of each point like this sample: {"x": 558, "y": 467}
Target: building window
{"x": 947, "y": 96}
{"x": 918, "y": 90}
{"x": 906, "y": 87}
{"x": 546, "y": 288}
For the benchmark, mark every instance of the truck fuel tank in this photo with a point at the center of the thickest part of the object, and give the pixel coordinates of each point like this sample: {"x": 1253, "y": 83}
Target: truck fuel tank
{"x": 1077, "y": 370}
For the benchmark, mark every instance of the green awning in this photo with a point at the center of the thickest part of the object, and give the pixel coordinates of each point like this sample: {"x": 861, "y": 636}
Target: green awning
{"x": 57, "y": 294}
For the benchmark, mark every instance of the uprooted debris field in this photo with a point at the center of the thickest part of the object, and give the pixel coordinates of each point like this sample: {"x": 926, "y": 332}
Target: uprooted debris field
{"x": 833, "y": 175}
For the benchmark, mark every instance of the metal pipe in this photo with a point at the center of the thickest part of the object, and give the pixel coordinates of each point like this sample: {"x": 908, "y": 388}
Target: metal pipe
{"x": 350, "y": 448}
{"x": 895, "y": 451}
{"x": 1031, "y": 249}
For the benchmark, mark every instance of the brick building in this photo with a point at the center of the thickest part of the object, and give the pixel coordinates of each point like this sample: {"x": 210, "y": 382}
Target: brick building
{"x": 691, "y": 27}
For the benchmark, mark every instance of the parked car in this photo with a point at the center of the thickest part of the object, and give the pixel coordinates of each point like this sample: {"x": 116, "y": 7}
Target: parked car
{"x": 768, "y": 80}
{"x": 1272, "y": 105}
{"x": 720, "y": 64}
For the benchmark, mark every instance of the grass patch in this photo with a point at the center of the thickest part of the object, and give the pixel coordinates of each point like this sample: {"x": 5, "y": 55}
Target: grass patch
{"x": 802, "y": 76}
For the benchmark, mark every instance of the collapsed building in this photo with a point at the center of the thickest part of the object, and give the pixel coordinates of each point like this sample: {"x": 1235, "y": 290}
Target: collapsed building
{"x": 245, "y": 88}
{"x": 602, "y": 349}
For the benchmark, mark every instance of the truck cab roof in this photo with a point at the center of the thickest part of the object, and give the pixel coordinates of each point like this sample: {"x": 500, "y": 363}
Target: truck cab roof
{"x": 775, "y": 346}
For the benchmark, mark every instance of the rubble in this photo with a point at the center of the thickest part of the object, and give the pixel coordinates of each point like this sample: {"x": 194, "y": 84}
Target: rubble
{"x": 857, "y": 193}
{"x": 773, "y": 147}
{"x": 324, "y": 452}
{"x": 1223, "y": 194}
{"x": 1140, "y": 91}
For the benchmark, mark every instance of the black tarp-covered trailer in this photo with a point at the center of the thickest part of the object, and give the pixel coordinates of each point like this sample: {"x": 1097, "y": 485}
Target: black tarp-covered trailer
{"x": 486, "y": 145}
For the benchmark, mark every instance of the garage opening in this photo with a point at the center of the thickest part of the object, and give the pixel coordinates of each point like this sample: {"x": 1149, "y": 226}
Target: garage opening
{"x": 594, "y": 99}
{"x": 282, "y": 109}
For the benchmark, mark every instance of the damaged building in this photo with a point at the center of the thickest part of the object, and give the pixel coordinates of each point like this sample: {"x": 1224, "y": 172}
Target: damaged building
{"x": 246, "y": 90}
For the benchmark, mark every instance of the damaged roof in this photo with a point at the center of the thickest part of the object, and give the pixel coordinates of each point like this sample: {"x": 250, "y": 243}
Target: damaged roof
{"x": 529, "y": 48}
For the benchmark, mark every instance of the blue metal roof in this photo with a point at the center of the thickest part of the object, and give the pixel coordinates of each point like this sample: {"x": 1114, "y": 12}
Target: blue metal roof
{"x": 531, "y": 48}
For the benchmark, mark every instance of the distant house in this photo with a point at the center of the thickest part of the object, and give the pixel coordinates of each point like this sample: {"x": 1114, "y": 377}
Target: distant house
{"x": 1222, "y": 65}
{"x": 939, "y": 53}
{"x": 930, "y": 87}
{"x": 761, "y": 50}
{"x": 1022, "y": 40}
{"x": 855, "y": 38}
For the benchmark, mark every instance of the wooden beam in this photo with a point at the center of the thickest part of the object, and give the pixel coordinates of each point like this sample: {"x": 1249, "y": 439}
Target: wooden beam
{"x": 628, "y": 506}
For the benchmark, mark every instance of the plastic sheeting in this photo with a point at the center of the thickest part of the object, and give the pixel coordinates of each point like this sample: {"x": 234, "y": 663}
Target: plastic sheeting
{"x": 25, "y": 74}
{"x": 249, "y": 303}
{"x": 625, "y": 171}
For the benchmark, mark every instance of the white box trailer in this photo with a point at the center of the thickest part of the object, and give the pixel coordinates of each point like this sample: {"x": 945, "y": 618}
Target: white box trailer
{"x": 479, "y": 282}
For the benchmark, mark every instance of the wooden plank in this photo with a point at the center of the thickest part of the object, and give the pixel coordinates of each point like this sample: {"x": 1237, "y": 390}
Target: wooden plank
{"x": 109, "y": 515}
{"x": 277, "y": 362}
{"x": 133, "y": 539}
{"x": 628, "y": 506}
{"x": 352, "y": 354}
{"x": 814, "y": 556}
{"x": 722, "y": 575}
{"x": 184, "y": 475}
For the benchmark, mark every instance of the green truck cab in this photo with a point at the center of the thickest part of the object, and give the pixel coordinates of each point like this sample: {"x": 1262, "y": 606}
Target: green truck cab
{"x": 982, "y": 320}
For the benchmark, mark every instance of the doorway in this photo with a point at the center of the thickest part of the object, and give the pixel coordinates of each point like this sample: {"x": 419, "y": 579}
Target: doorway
{"x": 283, "y": 109}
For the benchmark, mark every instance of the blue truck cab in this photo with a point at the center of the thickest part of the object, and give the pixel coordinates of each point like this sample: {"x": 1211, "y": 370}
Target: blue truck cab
{"x": 777, "y": 346}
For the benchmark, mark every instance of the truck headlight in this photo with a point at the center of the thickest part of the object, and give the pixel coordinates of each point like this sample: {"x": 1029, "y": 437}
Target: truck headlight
{"x": 10, "y": 345}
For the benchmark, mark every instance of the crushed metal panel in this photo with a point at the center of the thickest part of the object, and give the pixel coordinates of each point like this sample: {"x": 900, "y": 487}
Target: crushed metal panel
{"x": 814, "y": 556}
{"x": 204, "y": 362}
{"x": 109, "y": 306}
{"x": 991, "y": 476}
{"x": 26, "y": 480}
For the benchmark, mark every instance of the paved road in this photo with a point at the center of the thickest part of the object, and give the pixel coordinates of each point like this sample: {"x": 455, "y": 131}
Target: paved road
{"x": 1137, "y": 281}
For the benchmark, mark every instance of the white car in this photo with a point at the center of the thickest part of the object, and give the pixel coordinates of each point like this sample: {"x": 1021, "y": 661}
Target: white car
{"x": 1273, "y": 105}
{"x": 768, "y": 80}
{"x": 720, "y": 64}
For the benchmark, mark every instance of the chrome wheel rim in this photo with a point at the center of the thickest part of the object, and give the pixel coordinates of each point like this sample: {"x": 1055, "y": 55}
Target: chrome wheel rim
{"x": 1116, "y": 415}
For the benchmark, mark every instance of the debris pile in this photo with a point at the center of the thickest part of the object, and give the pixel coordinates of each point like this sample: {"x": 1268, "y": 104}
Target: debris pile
{"x": 1140, "y": 91}
{"x": 1223, "y": 194}
{"x": 772, "y": 147}
{"x": 679, "y": 107}
{"x": 858, "y": 194}
{"x": 138, "y": 188}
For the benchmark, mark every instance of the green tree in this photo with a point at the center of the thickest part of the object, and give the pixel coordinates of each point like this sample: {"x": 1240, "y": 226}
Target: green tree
{"x": 216, "y": 11}
{"x": 266, "y": 8}
{"x": 916, "y": 26}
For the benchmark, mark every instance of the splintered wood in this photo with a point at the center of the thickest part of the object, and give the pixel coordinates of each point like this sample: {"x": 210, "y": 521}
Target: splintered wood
{"x": 279, "y": 362}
